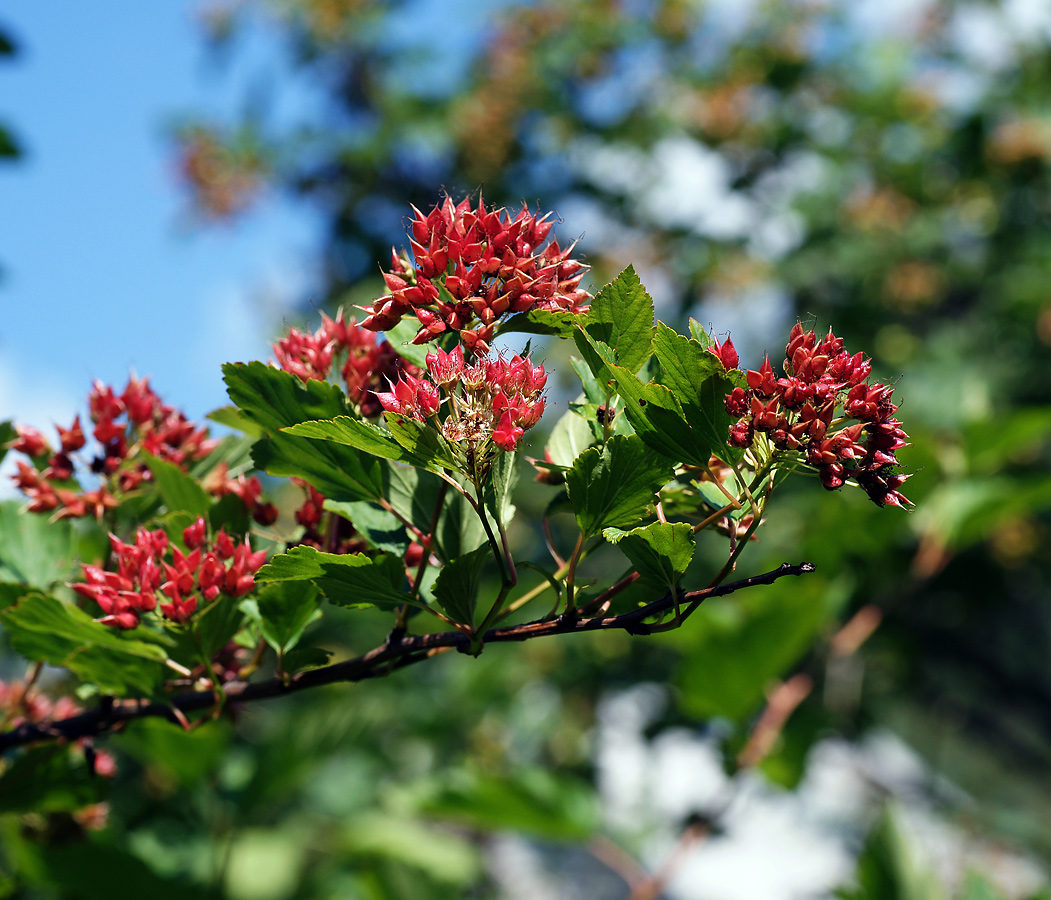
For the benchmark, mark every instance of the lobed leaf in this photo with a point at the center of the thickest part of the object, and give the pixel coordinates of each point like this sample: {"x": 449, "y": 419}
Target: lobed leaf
{"x": 661, "y": 551}
{"x": 615, "y": 486}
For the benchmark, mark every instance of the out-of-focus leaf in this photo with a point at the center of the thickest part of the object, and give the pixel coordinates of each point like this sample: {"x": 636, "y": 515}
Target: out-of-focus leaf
{"x": 84, "y": 870}
{"x": 661, "y": 551}
{"x": 49, "y": 779}
{"x": 530, "y": 800}
{"x": 9, "y": 146}
{"x": 382, "y": 529}
{"x": 350, "y": 579}
{"x": 440, "y": 854}
{"x": 33, "y": 549}
{"x": 739, "y": 645}
{"x": 888, "y": 869}
{"x": 456, "y": 588}
{"x": 400, "y": 338}
{"x": 178, "y": 491}
{"x": 615, "y": 486}
{"x": 186, "y": 756}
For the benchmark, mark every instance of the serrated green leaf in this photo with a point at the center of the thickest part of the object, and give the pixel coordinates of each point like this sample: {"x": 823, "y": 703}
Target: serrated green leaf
{"x": 700, "y": 383}
{"x": 353, "y": 433}
{"x": 42, "y": 628}
{"x": 283, "y": 611}
{"x": 275, "y": 400}
{"x": 503, "y": 476}
{"x": 426, "y": 447}
{"x": 661, "y": 551}
{"x": 351, "y": 579}
{"x": 179, "y": 491}
{"x": 615, "y": 486}
{"x": 621, "y": 316}
{"x": 456, "y": 588}
{"x": 34, "y": 550}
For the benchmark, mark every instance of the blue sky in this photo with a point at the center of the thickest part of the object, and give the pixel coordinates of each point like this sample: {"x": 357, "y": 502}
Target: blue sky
{"x": 102, "y": 271}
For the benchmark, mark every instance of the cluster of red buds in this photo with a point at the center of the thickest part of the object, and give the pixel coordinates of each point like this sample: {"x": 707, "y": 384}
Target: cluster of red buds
{"x": 368, "y": 365}
{"x": 470, "y": 267}
{"x": 490, "y": 402}
{"x": 825, "y": 410}
{"x": 152, "y": 563}
{"x": 126, "y": 426}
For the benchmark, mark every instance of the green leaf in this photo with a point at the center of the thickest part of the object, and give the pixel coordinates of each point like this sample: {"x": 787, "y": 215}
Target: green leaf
{"x": 570, "y": 437}
{"x": 700, "y": 383}
{"x": 400, "y": 338}
{"x": 700, "y": 334}
{"x": 427, "y": 448}
{"x": 217, "y": 624}
{"x": 456, "y": 588}
{"x": 283, "y": 611}
{"x": 621, "y": 316}
{"x": 300, "y": 658}
{"x": 34, "y": 550}
{"x": 186, "y": 756}
{"x": 43, "y": 628}
{"x": 379, "y": 527}
{"x": 614, "y": 486}
{"x": 503, "y": 476}
{"x": 661, "y": 551}
{"x": 414, "y": 494}
{"x": 448, "y": 858}
{"x": 178, "y": 490}
{"x": 530, "y": 800}
{"x": 738, "y": 645}
{"x": 275, "y": 400}
{"x": 49, "y": 779}
{"x": 350, "y": 579}
{"x": 8, "y": 433}
{"x": 353, "y": 433}
{"x": 544, "y": 321}
{"x": 232, "y": 417}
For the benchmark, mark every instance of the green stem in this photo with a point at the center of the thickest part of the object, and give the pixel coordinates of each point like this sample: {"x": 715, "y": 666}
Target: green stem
{"x": 572, "y": 572}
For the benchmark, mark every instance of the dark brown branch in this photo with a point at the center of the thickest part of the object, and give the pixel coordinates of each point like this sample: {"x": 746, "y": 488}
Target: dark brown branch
{"x": 397, "y": 653}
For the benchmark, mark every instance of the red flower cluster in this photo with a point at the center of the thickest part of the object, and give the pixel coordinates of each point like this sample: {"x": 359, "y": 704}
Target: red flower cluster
{"x": 126, "y": 425}
{"x": 477, "y": 264}
{"x": 369, "y": 362}
{"x": 143, "y": 569}
{"x": 799, "y": 413}
{"x": 494, "y": 400}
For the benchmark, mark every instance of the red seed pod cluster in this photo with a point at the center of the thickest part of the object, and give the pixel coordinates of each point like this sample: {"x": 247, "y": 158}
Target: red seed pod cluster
{"x": 825, "y": 409}
{"x": 368, "y": 365}
{"x": 471, "y": 267}
{"x": 153, "y": 564}
{"x": 493, "y": 401}
{"x": 126, "y": 426}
